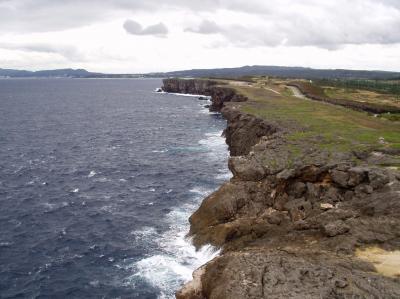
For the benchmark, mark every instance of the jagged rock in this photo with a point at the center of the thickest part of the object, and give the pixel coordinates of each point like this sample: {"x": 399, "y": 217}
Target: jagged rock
{"x": 298, "y": 189}
{"x": 356, "y": 176}
{"x": 312, "y": 191}
{"x": 273, "y": 216}
{"x": 293, "y": 273}
{"x": 192, "y": 289}
{"x": 247, "y": 169}
{"x": 363, "y": 189}
{"x": 378, "y": 178}
{"x": 348, "y": 195}
{"x": 332, "y": 195}
{"x": 298, "y": 208}
{"x": 340, "y": 177}
{"x": 336, "y": 228}
{"x": 286, "y": 174}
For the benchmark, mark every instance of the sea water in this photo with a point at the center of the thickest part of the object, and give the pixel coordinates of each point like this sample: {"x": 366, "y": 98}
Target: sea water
{"x": 97, "y": 181}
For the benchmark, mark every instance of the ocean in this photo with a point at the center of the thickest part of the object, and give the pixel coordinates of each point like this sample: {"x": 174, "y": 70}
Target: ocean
{"x": 97, "y": 180}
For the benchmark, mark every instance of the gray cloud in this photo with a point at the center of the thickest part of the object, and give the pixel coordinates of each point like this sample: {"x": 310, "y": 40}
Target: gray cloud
{"x": 69, "y": 52}
{"x": 205, "y": 27}
{"x": 326, "y": 24}
{"x": 132, "y": 27}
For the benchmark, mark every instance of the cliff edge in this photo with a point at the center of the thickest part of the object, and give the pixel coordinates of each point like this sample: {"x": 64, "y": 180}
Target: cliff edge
{"x": 313, "y": 208}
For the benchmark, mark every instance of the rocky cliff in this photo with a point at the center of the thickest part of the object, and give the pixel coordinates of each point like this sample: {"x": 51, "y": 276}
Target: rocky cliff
{"x": 218, "y": 92}
{"x": 292, "y": 227}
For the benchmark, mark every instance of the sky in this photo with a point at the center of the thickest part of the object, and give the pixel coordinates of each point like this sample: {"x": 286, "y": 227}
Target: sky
{"x": 139, "y": 36}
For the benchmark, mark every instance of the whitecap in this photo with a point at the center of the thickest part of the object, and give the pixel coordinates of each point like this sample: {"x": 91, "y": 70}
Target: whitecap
{"x": 92, "y": 174}
{"x": 146, "y": 232}
{"x": 76, "y": 190}
{"x": 187, "y": 95}
{"x": 201, "y": 191}
{"x": 101, "y": 180}
{"x": 160, "y": 151}
{"x": 5, "y": 244}
{"x": 224, "y": 176}
{"x": 176, "y": 258}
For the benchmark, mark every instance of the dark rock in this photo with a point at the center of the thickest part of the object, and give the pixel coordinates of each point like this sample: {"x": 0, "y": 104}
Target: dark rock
{"x": 336, "y": 228}
{"x": 298, "y": 209}
{"x": 298, "y": 189}
{"x": 332, "y": 195}
{"x": 378, "y": 178}
{"x": 348, "y": 195}
{"x": 363, "y": 189}
{"x": 340, "y": 177}
{"x": 356, "y": 176}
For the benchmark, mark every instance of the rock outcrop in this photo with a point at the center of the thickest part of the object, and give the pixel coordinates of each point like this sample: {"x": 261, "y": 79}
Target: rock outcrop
{"x": 289, "y": 226}
{"x": 219, "y": 93}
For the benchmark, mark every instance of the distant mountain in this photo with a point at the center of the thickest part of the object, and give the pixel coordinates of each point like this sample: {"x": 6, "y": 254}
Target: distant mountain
{"x": 255, "y": 70}
{"x": 65, "y": 73}
{"x": 280, "y": 71}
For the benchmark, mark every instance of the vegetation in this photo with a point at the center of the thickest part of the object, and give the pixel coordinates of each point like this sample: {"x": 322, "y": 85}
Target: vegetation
{"x": 350, "y": 98}
{"x": 390, "y": 87}
{"x": 330, "y": 127}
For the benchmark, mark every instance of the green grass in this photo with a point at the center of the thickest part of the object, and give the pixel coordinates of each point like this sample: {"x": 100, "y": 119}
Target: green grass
{"x": 324, "y": 126}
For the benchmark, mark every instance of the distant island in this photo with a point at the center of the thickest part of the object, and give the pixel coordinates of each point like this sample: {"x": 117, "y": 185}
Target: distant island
{"x": 256, "y": 70}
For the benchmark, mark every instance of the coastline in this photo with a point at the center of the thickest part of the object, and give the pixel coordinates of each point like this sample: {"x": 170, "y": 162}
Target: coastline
{"x": 289, "y": 229}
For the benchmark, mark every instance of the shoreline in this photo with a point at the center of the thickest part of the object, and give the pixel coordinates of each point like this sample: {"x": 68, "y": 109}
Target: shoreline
{"x": 311, "y": 214}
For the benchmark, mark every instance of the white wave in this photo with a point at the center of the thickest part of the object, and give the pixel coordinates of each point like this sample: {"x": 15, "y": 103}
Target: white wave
{"x": 187, "y": 95}
{"x": 177, "y": 258}
{"x": 101, "y": 180}
{"x": 76, "y": 190}
{"x": 227, "y": 175}
{"x": 92, "y": 174}
{"x": 145, "y": 232}
{"x": 201, "y": 191}
{"x": 216, "y": 145}
{"x": 160, "y": 151}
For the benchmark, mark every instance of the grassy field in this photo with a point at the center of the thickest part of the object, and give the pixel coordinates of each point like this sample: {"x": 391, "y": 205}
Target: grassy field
{"x": 323, "y": 125}
{"x": 362, "y": 95}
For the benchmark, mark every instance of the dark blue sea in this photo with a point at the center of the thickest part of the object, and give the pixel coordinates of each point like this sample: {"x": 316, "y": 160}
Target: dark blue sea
{"x": 97, "y": 181}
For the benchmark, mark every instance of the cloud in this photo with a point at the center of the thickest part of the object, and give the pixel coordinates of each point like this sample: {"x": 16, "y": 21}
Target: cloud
{"x": 325, "y": 24}
{"x": 205, "y": 27}
{"x": 134, "y": 28}
{"x": 309, "y": 23}
{"x": 67, "y": 51}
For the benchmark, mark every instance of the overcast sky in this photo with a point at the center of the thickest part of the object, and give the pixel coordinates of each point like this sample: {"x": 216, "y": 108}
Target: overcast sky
{"x": 133, "y": 36}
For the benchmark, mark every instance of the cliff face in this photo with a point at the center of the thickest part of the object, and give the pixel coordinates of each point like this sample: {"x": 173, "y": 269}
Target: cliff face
{"x": 218, "y": 93}
{"x": 290, "y": 228}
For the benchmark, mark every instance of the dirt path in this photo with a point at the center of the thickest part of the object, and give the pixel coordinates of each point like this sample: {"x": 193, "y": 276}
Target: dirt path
{"x": 296, "y": 92}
